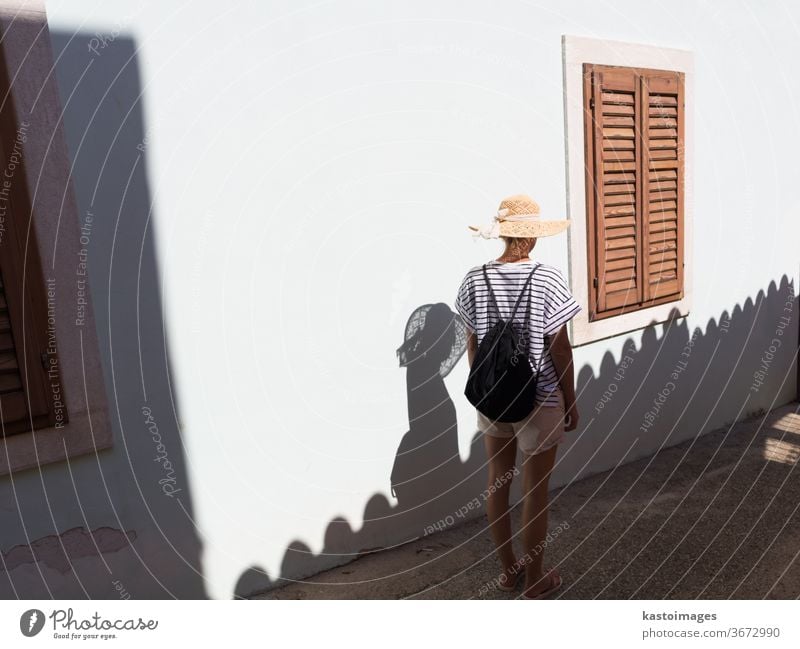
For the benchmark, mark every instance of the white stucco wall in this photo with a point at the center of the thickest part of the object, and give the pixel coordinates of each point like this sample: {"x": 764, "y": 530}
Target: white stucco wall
{"x": 313, "y": 168}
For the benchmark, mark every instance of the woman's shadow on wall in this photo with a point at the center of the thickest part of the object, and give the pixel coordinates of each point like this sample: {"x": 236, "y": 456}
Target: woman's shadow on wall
{"x": 428, "y": 459}
{"x": 428, "y": 479}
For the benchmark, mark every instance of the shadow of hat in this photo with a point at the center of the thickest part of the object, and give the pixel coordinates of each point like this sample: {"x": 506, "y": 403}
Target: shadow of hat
{"x": 434, "y": 334}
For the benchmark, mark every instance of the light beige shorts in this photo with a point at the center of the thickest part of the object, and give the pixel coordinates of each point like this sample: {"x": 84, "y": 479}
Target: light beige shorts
{"x": 539, "y": 431}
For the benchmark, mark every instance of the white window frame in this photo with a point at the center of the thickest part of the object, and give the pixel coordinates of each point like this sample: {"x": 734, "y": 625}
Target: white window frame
{"x": 576, "y": 51}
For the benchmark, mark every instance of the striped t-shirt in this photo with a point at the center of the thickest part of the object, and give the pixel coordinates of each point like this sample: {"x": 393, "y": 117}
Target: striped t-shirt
{"x": 552, "y": 304}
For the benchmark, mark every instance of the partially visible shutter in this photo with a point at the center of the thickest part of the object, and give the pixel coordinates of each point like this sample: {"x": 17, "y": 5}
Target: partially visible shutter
{"x": 12, "y": 393}
{"x": 28, "y": 390}
{"x": 662, "y": 185}
{"x": 616, "y": 156}
{"x": 24, "y": 399}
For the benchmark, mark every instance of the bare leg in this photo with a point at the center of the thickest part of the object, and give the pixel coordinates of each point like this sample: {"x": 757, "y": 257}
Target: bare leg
{"x": 502, "y": 455}
{"x": 536, "y": 476}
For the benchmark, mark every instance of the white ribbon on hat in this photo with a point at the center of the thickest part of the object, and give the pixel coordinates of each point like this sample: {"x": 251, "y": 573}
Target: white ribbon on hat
{"x": 492, "y": 230}
{"x": 489, "y": 231}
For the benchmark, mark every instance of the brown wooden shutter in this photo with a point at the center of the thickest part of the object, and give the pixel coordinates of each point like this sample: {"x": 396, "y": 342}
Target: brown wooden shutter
{"x": 634, "y": 170}
{"x": 616, "y": 154}
{"x": 31, "y": 395}
{"x": 662, "y": 184}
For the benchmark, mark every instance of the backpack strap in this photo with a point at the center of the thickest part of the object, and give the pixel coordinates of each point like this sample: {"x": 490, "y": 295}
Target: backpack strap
{"x": 528, "y": 319}
{"x": 493, "y": 299}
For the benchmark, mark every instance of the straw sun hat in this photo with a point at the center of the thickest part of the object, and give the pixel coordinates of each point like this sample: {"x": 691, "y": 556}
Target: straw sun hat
{"x": 518, "y": 216}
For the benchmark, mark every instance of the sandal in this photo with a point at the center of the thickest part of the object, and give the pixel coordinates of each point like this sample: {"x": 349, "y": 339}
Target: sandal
{"x": 555, "y": 583}
{"x": 511, "y": 581}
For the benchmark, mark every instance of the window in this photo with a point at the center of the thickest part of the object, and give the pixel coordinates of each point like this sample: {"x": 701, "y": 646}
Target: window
{"x": 30, "y": 394}
{"x": 634, "y": 142}
{"x": 50, "y": 356}
{"x": 629, "y": 189}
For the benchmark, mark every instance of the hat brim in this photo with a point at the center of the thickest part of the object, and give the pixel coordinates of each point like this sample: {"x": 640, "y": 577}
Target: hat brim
{"x": 530, "y": 229}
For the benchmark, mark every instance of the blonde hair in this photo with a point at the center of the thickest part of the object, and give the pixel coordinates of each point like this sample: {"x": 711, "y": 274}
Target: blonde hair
{"x": 526, "y": 240}
{"x": 519, "y": 245}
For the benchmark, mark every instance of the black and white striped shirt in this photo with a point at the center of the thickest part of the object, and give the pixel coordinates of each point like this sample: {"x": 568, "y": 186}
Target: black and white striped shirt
{"x": 552, "y": 305}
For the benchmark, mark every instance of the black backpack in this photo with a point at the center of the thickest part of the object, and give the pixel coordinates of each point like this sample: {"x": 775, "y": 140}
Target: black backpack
{"x": 501, "y": 383}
